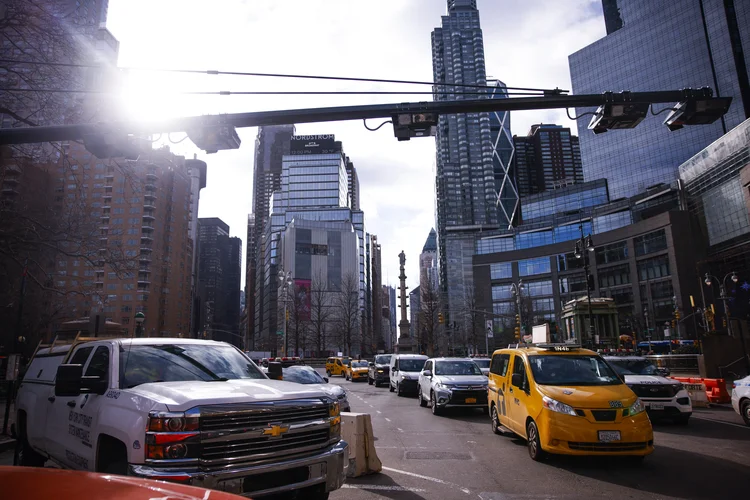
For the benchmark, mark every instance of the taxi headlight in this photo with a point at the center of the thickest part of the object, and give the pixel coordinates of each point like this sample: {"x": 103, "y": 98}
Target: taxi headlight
{"x": 557, "y": 406}
{"x": 636, "y": 408}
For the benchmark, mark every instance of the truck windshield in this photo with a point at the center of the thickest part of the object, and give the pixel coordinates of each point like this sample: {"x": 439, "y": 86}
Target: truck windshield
{"x": 457, "y": 368}
{"x": 633, "y": 366}
{"x": 572, "y": 370}
{"x": 143, "y": 364}
{"x": 382, "y": 360}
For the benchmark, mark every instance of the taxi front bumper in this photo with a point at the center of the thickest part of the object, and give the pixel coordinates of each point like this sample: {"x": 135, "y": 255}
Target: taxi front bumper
{"x": 328, "y": 467}
{"x": 359, "y": 375}
{"x": 569, "y": 435}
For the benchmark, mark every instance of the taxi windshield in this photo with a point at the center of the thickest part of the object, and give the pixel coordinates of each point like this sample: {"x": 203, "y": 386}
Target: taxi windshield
{"x": 572, "y": 370}
{"x": 457, "y": 368}
{"x": 634, "y": 366}
{"x": 359, "y": 364}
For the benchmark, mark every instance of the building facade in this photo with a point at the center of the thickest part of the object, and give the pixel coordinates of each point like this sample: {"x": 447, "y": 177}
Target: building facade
{"x": 219, "y": 263}
{"x": 475, "y": 190}
{"x": 547, "y": 158}
{"x": 661, "y": 45}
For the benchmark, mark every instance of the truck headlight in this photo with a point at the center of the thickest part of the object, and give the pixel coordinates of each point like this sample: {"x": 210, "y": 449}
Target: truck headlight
{"x": 557, "y": 406}
{"x": 172, "y": 436}
{"x": 171, "y": 422}
{"x": 636, "y": 408}
{"x": 380, "y": 371}
{"x": 334, "y": 410}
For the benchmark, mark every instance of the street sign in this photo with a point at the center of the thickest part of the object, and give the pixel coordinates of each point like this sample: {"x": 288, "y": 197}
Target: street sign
{"x": 488, "y": 326}
{"x": 280, "y": 332}
{"x": 667, "y": 333}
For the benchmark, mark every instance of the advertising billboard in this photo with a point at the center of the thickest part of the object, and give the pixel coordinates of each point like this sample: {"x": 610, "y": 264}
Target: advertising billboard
{"x": 314, "y": 145}
{"x": 302, "y": 298}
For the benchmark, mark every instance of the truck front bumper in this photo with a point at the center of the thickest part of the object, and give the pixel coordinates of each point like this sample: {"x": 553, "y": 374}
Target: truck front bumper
{"x": 328, "y": 467}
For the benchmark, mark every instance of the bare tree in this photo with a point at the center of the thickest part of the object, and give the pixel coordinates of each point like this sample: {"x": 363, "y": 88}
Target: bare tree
{"x": 347, "y": 313}
{"x": 472, "y": 320}
{"x": 321, "y": 313}
{"x": 428, "y": 315}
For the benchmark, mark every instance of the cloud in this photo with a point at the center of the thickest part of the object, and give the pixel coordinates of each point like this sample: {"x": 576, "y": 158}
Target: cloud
{"x": 526, "y": 45}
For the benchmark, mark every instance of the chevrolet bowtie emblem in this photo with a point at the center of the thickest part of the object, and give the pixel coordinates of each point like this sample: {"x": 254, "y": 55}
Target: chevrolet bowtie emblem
{"x": 275, "y": 430}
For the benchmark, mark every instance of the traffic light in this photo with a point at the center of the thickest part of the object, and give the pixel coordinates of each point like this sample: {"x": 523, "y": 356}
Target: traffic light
{"x": 518, "y": 319}
{"x": 674, "y": 324}
{"x": 724, "y": 321}
{"x": 441, "y": 320}
{"x": 518, "y": 332}
{"x": 677, "y": 314}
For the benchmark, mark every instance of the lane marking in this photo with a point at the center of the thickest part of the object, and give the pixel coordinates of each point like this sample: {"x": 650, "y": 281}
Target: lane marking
{"x": 387, "y": 419}
{"x": 399, "y": 429}
{"x": 428, "y": 478}
{"x": 382, "y": 487}
{"x": 721, "y": 422}
{"x": 379, "y": 412}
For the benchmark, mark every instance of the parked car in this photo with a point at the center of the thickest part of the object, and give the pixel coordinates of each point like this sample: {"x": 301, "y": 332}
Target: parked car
{"x": 664, "y": 397}
{"x": 452, "y": 382}
{"x": 741, "y": 398}
{"x": 193, "y": 411}
{"x": 567, "y": 400}
{"x": 309, "y": 376}
{"x": 404, "y": 372}
{"x": 379, "y": 370}
{"x": 356, "y": 370}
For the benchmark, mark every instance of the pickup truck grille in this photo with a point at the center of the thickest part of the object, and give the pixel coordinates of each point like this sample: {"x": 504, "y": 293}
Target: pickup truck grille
{"x": 265, "y": 445}
{"x": 262, "y": 418}
{"x": 243, "y": 432}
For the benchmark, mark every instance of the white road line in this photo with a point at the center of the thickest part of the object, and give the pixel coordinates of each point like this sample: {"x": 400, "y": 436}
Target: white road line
{"x": 382, "y": 487}
{"x": 399, "y": 429}
{"x": 428, "y": 478}
{"x": 721, "y": 422}
{"x": 378, "y": 411}
{"x": 387, "y": 419}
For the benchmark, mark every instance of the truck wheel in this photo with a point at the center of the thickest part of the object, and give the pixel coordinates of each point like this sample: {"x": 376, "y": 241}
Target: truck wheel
{"x": 390, "y": 386}
{"x": 536, "y": 452}
{"x": 25, "y": 456}
{"x": 745, "y": 408}
{"x": 119, "y": 468}
{"x": 398, "y": 389}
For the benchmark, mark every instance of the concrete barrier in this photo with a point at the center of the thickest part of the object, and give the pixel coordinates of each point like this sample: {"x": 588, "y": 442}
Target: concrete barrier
{"x": 697, "y": 393}
{"x": 356, "y": 429}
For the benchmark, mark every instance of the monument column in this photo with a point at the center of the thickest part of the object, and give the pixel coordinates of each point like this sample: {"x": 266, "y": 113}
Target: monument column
{"x": 404, "y": 341}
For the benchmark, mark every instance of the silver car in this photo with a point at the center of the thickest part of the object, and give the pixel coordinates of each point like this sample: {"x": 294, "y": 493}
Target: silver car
{"x": 452, "y": 382}
{"x": 309, "y": 376}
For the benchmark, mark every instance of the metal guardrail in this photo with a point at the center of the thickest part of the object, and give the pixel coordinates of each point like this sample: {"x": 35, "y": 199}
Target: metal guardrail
{"x": 691, "y": 364}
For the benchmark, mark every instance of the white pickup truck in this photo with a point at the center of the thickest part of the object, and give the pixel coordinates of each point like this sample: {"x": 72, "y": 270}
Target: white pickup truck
{"x": 191, "y": 411}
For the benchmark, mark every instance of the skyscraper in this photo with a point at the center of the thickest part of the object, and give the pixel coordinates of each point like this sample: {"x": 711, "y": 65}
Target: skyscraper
{"x": 467, "y": 170}
{"x": 661, "y": 45}
{"x": 219, "y": 281}
{"x": 547, "y": 158}
{"x": 428, "y": 269}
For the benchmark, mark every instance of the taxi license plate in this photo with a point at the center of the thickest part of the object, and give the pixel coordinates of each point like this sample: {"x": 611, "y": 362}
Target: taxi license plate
{"x": 609, "y": 436}
{"x": 656, "y": 406}
{"x": 471, "y": 400}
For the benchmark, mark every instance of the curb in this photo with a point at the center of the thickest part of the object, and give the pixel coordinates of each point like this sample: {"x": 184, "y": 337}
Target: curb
{"x": 7, "y": 444}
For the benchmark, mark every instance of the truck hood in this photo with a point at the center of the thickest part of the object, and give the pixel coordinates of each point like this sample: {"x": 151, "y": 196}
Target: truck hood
{"x": 649, "y": 380}
{"x": 180, "y": 396}
{"x": 588, "y": 396}
{"x": 462, "y": 379}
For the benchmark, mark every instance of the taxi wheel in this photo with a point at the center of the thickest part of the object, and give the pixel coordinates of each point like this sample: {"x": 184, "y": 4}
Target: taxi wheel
{"x": 495, "y": 420}
{"x": 328, "y": 373}
{"x": 746, "y": 411}
{"x": 535, "y": 446}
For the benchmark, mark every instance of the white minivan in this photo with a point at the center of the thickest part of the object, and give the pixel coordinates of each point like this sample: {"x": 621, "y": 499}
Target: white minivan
{"x": 404, "y": 372}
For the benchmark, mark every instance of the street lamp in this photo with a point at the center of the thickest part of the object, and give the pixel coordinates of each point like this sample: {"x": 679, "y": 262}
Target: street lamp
{"x": 583, "y": 244}
{"x": 516, "y": 289}
{"x": 285, "y": 282}
{"x": 139, "y": 319}
{"x": 724, "y": 298}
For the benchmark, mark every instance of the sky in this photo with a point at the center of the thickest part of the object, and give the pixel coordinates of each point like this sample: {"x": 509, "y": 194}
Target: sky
{"x": 527, "y": 43}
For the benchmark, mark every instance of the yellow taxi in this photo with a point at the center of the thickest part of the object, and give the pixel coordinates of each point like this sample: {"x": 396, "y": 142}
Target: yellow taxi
{"x": 336, "y": 366}
{"x": 563, "y": 399}
{"x": 357, "y": 370}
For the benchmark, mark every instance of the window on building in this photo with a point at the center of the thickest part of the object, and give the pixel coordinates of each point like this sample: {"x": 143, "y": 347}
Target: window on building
{"x": 650, "y": 243}
{"x": 653, "y": 268}
{"x": 568, "y": 262}
{"x": 530, "y": 267}
{"x": 614, "y": 276}
{"x": 573, "y": 284}
{"x": 537, "y": 288}
{"x": 501, "y": 270}
{"x": 612, "y": 253}
{"x": 500, "y": 292}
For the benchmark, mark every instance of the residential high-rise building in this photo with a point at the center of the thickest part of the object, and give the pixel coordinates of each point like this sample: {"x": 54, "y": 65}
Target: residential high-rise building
{"x": 271, "y": 144}
{"x": 548, "y": 157}
{"x": 661, "y": 45}
{"x": 474, "y": 188}
{"x": 219, "y": 262}
{"x": 316, "y": 185}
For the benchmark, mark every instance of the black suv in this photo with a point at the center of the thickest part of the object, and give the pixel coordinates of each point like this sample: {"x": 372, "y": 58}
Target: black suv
{"x": 378, "y": 373}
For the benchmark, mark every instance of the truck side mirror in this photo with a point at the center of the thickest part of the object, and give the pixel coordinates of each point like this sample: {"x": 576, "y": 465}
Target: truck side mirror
{"x": 274, "y": 371}
{"x": 326, "y": 379}
{"x": 427, "y": 373}
{"x": 68, "y": 380}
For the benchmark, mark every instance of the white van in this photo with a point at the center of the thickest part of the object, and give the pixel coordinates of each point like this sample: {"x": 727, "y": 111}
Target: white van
{"x": 404, "y": 372}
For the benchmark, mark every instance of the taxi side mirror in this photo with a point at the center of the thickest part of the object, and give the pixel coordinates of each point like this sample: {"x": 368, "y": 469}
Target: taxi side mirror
{"x": 517, "y": 380}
